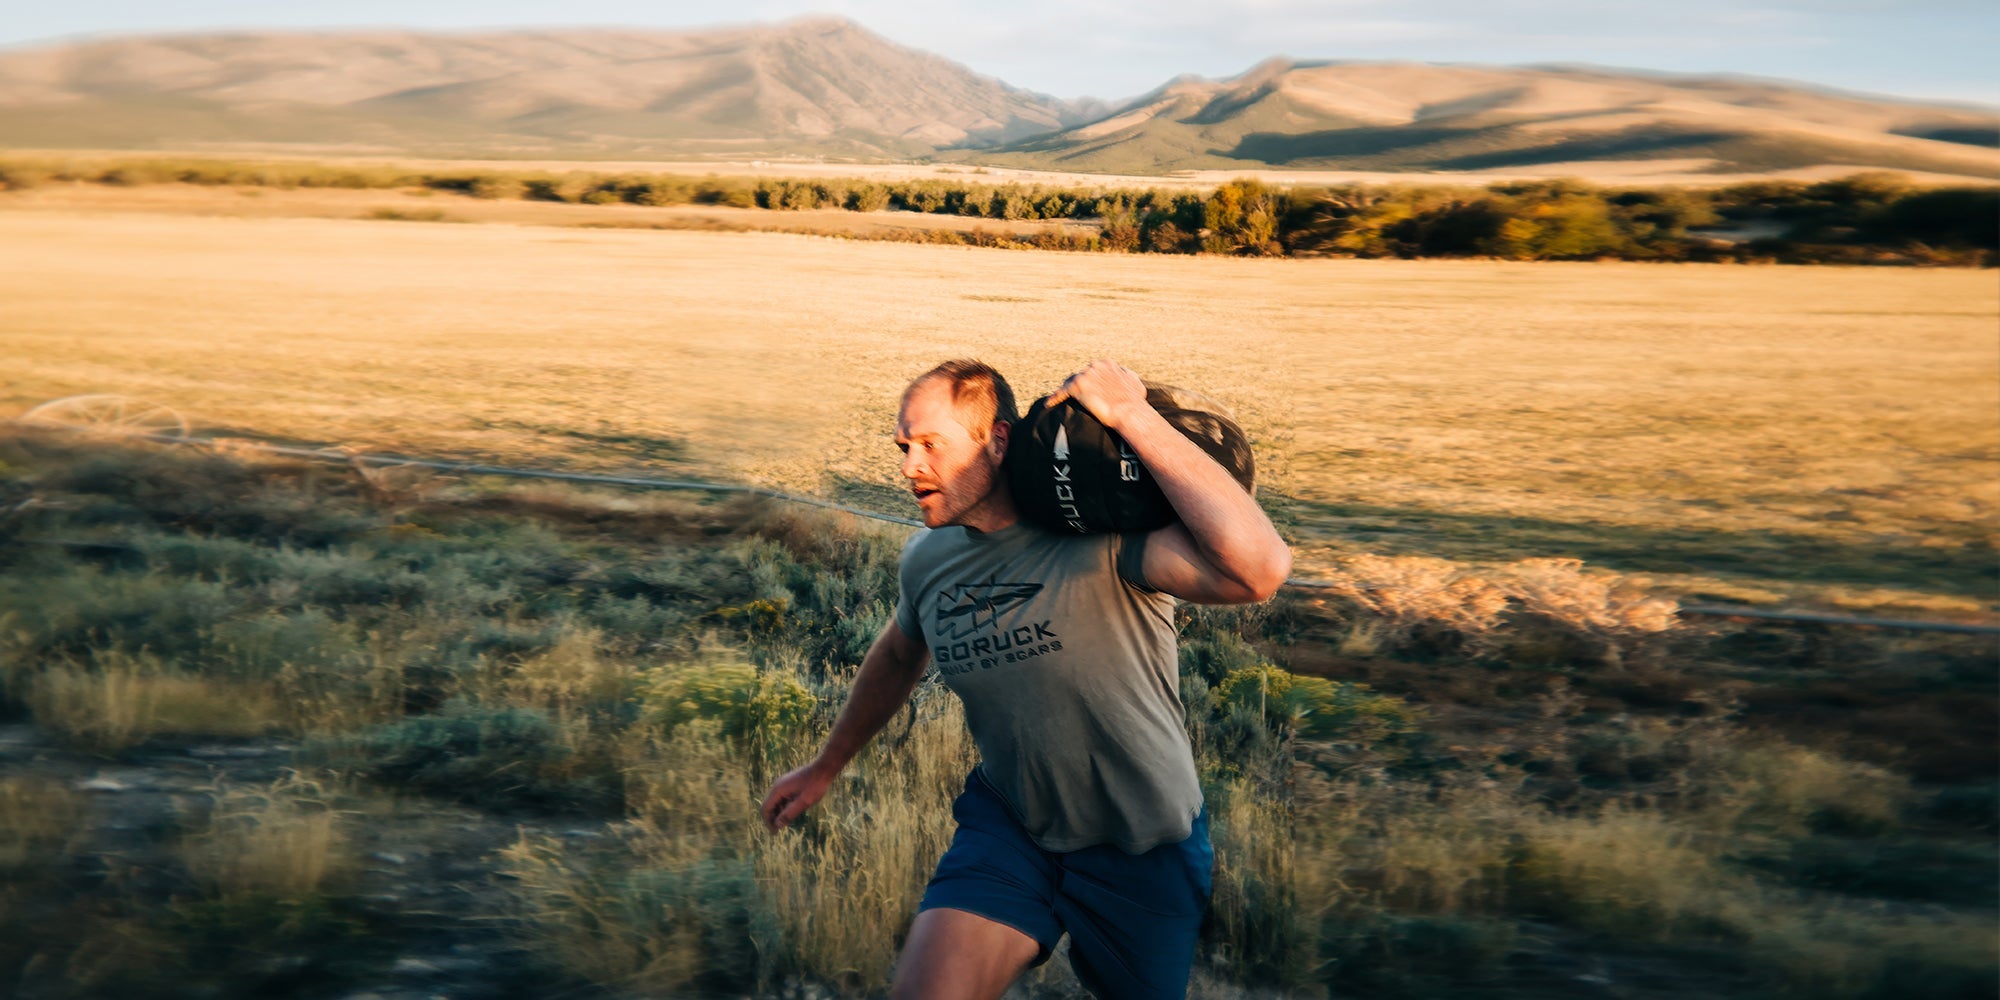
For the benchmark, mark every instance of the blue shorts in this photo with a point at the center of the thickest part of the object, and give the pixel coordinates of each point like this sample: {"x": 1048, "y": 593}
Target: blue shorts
{"x": 1133, "y": 919}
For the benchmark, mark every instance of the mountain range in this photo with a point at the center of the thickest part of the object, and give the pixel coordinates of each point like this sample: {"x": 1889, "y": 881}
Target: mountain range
{"x": 827, "y": 87}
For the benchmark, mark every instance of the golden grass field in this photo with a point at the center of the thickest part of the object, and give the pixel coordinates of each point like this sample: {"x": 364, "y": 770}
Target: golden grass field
{"x": 1771, "y": 434}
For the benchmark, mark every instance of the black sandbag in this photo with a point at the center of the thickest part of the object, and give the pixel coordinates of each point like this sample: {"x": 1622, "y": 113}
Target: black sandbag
{"x": 1070, "y": 473}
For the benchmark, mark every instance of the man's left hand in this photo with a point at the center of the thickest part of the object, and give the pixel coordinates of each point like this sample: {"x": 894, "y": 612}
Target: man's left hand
{"x": 1109, "y": 390}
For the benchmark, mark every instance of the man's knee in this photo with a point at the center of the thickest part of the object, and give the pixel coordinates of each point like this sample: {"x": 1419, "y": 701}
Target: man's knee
{"x": 960, "y": 955}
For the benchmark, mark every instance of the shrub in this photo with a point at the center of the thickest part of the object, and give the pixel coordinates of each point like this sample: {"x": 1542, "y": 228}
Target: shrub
{"x": 1121, "y": 236}
{"x": 22, "y": 176}
{"x": 570, "y": 187}
{"x": 1216, "y": 655}
{"x": 80, "y": 613}
{"x": 506, "y": 757}
{"x": 726, "y": 192}
{"x": 830, "y": 586}
{"x": 661, "y": 189}
{"x": 408, "y": 215}
{"x": 212, "y": 494}
{"x": 1166, "y": 237}
{"x": 748, "y": 704}
{"x": 868, "y": 198}
{"x": 1319, "y": 708}
{"x": 497, "y": 187}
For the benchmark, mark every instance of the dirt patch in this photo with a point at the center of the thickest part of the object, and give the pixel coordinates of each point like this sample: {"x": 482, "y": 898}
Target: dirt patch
{"x": 427, "y": 891}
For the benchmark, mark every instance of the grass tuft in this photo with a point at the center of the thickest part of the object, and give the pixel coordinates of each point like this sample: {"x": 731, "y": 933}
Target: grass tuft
{"x": 286, "y": 841}
{"x": 122, "y": 700}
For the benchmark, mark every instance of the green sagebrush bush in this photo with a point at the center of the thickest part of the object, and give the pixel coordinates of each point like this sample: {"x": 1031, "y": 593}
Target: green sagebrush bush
{"x": 827, "y": 596}
{"x": 1316, "y": 707}
{"x": 747, "y": 703}
{"x": 493, "y": 756}
{"x": 206, "y": 494}
{"x": 1215, "y": 656}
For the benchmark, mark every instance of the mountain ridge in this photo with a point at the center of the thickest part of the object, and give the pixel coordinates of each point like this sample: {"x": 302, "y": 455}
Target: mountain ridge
{"x": 1417, "y": 116}
{"x": 825, "y": 86}
{"x": 809, "y": 81}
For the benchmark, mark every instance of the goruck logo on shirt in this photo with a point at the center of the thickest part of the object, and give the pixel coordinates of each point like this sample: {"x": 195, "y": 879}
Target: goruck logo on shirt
{"x": 970, "y": 613}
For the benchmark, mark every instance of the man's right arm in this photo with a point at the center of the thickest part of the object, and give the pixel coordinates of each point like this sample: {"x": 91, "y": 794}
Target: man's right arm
{"x": 881, "y": 687}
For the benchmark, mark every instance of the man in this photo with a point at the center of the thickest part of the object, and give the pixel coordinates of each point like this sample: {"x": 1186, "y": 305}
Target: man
{"x": 1085, "y": 813}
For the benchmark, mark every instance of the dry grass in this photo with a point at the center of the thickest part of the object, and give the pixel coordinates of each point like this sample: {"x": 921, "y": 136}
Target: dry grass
{"x": 594, "y": 927}
{"x": 37, "y": 817}
{"x": 882, "y": 831}
{"x": 1398, "y": 849}
{"x": 1640, "y": 874}
{"x": 122, "y": 700}
{"x": 1410, "y": 844}
{"x": 1600, "y": 605}
{"x": 641, "y": 921}
{"x": 1642, "y": 877}
{"x": 1785, "y": 791}
{"x": 286, "y": 841}
{"x": 1631, "y": 873}
{"x": 1408, "y": 593}
{"x": 1779, "y": 428}
{"x": 697, "y": 881}
{"x": 1538, "y": 608}
{"x": 1269, "y": 893}
{"x": 571, "y": 677}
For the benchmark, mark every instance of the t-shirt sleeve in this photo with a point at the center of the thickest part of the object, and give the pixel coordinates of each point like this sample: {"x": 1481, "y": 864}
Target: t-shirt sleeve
{"x": 1130, "y": 553}
{"x": 906, "y": 606}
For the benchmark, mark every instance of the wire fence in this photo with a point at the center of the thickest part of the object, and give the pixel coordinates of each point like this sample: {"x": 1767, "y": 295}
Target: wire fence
{"x": 364, "y": 461}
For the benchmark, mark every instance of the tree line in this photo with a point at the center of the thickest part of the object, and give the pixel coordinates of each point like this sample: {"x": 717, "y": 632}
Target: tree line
{"x": 1868, "y": 218}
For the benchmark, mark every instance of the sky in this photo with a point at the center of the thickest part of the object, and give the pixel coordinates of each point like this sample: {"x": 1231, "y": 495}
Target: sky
{"x": 1934, "y": 49}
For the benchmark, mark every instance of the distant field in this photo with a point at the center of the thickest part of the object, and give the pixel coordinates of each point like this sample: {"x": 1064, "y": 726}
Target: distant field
{"x": 1699, "y": 173}
{"x": 1765, "y": 434}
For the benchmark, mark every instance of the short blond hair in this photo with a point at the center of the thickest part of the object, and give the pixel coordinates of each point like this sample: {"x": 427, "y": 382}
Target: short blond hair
{"x": 976, "y": 389}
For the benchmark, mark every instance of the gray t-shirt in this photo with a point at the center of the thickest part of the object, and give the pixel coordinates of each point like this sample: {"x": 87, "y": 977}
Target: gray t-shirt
{"x": 1069, "y": 677}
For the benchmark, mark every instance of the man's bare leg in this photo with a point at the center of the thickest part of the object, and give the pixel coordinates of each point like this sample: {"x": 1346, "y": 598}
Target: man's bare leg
{"x": 956, "y": 955}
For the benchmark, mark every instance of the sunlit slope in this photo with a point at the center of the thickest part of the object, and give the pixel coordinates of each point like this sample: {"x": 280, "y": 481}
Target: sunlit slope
{"x": 1410, "y": 116}
{"x": 818, "y": 84}
{"x": 827, "y": 87}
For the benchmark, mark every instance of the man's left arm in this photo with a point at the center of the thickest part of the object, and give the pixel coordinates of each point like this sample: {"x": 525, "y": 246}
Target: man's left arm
{"x": 1224, "y": 550}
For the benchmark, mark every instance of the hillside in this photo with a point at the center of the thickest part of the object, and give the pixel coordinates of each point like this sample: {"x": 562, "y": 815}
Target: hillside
{"x": 1413, "y": 116}
{"x": 820, "y": 86}
{"x": 826, "y": 87}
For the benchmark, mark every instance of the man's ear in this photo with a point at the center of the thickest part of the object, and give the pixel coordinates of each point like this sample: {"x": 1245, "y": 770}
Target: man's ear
{"x": 997, "y": 440}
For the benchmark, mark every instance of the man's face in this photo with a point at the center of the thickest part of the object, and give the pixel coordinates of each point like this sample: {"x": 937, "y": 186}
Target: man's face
{"x": 950, "y": 473}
